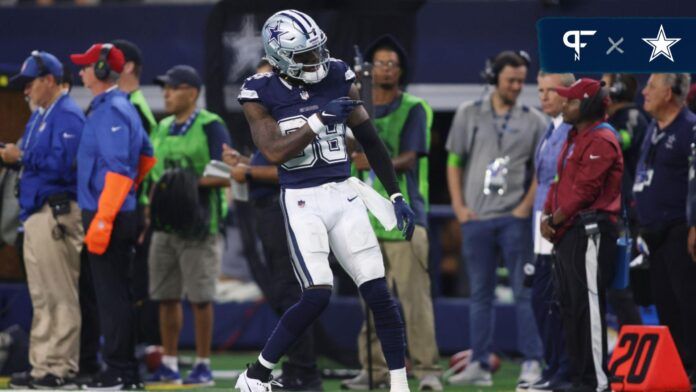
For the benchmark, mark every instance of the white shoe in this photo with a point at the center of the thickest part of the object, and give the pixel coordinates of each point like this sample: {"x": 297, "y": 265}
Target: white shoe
{"x": 530, "y": 373}
{"x": 430, "y": 382}
{"x": 246, "y": 384}
{"x": 360, "y": 382}
{"x": 474, "y": 374}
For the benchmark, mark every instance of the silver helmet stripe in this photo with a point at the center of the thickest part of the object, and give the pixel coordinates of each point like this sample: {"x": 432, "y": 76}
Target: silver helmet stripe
{"x": 304, "y": 17}
{"x": 294, "y": 19}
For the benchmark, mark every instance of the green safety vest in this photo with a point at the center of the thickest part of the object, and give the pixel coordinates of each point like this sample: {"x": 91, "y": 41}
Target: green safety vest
{"x": 192, "y": 146}
{"x": 138, "y": 100}
{"x": 390, "y": 128}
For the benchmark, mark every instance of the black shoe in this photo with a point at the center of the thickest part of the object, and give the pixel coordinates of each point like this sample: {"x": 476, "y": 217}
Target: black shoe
{"x": 293, "y": 382}
{"x": 49, "y": 381}
{"x": 133, "y": 385}
{"x": 105, "y": 381}
{"x": 549, "y": 385}
{"x": 21, "y": 380}
{"x": 84, "y": 378}
{"x": 578, "y": 388}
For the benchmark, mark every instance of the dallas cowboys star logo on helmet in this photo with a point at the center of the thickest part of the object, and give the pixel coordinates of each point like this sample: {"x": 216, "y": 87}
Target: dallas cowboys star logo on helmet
{"x": 276, "y": 32}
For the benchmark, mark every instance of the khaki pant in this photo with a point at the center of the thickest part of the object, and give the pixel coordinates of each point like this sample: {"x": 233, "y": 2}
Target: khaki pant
{"x": 53, "y": 269}
{"x": 183, "y": 267}
{"x": 406, "y": 266}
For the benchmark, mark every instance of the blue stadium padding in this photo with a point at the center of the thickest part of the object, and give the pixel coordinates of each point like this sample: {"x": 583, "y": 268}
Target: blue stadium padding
{"x": 15, "y": 306}
{"x": 247, "y": 325}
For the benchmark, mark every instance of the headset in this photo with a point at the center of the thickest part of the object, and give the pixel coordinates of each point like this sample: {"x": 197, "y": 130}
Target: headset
{"x": 101, "y": 67}
{"x": 676, "y": 86}
{"x": 496, "y": 64}
{"x": 618, "y": 87}
{"x": 623, "y": 87}
{"x": 43, "y": 69}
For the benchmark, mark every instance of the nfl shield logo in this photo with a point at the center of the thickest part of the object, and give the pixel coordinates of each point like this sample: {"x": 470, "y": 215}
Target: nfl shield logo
{"x": 301, "y": 203}
{"x": 304, "y": 95}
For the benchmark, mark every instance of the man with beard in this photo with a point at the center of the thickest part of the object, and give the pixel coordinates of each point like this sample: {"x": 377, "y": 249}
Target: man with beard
{"x": 491, "y": 148}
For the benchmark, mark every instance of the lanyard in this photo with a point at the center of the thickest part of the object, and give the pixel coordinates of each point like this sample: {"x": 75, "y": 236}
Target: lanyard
{"x": 501, "y": 130}
{"x": 42, "y": 123}
{"x": 655, "y": 140}
{"x": 185, "y": 127}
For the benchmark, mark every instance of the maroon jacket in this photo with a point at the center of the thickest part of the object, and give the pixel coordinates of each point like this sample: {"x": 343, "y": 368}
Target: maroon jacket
{"x": 590, "y": 167}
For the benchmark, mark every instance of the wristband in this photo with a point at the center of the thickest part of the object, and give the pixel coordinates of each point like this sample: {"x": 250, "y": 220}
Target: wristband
{"x": 247, "y": 174}
{"x": 394, "y": 196}
{"x": 315, "y": 123}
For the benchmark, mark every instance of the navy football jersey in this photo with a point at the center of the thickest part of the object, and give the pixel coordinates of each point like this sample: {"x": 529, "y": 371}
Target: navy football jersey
{"x": 326, "y": 158}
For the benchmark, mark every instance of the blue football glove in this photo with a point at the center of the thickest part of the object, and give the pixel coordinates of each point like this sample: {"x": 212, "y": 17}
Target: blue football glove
{"x": 405, "y": 218}
{"x": 338, "y": 110}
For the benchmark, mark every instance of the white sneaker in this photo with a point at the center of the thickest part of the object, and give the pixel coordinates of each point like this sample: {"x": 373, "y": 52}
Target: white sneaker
{"x": 360, "y": 382}
{"x": 430, "y": 382}
{"x": 474, "y": 374}
{"x": 529, "y": 374}
{"x": 246, "y": 384}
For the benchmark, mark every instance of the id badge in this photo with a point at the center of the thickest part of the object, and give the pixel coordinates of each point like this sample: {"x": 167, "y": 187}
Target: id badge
{"x": 643, "y": 179}
{"x": 495, "y": 180}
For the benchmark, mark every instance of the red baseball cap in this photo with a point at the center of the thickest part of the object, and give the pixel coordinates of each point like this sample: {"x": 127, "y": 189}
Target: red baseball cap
{"x": 581, "y": 89}
{"x": 115, "y": 58}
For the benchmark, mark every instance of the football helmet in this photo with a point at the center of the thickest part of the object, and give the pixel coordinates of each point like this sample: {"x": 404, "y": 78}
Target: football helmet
{"x": 296, "y": 46}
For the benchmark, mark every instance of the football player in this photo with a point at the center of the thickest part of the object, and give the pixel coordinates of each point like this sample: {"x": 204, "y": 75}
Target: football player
{"x": 298, "y": 115}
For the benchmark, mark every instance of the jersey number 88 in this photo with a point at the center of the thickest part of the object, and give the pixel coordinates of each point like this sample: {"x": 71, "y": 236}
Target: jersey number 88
{"x": 329, "y": 145}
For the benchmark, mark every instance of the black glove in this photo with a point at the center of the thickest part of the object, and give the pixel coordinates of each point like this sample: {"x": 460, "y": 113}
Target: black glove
{"x": 405, "y": 218}
{"x": 337, "y": 111}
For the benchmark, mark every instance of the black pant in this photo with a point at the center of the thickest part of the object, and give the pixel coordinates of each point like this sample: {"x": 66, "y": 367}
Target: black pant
{"x": 89, "y": 333}
{"x": 146, "y": 310}
{"x": 547, "y": 313}
{"x": 583, "y": 306}
{"x": 673, "y": 280}
{"x": 282, "y": 289}
{"x": 621, "y": 300}
{"x": 110, "y": 272}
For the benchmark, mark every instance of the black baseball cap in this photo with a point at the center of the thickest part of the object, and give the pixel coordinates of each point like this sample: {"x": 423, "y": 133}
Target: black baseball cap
{"x": 178, "y": 75}
{"x": 131, "y": 51}
{"x": 390, "y": 42}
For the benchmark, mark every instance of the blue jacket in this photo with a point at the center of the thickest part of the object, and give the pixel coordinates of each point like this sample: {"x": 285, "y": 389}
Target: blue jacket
{"x": 546, "y": 161}
{"x": 49, "y": 147}
{"x": 112, "y": 141}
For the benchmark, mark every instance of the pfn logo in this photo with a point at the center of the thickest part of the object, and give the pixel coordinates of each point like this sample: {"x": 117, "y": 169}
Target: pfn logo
{"x": 576, "y": 43}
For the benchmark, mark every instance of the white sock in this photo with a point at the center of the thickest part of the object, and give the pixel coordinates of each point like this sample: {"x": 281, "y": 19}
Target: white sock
{"x": 171, "y": 362}
{"x": 265, "y": 363}
{"x": 399, "y": 383}
{"x": 205, "y": 361}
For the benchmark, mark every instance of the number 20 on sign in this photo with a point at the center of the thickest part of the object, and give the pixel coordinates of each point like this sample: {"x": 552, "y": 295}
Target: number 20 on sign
{"x": 646, "y": 359}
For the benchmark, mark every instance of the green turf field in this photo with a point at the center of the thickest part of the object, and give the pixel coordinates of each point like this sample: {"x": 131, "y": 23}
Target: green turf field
{"x": 504, "y": 380}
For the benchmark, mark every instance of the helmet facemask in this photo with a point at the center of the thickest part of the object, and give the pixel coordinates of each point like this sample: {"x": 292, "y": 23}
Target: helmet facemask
{"x": 310, "y": 66}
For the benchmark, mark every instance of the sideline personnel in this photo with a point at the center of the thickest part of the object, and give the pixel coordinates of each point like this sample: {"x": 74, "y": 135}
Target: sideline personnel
{"x": 52, "y": 230}
{"x": 581, "y": 212}
{"x": 661, "y": 189}
{"x": 109, "y": 166}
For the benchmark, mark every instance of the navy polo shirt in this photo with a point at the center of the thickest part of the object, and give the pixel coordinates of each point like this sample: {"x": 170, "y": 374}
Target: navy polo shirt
{"x": 261, "y": 189}
{"x": 660, "y": 187}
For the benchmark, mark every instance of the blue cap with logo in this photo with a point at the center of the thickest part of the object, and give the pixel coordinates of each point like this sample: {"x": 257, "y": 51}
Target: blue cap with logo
{"x": 178, "y": 75}
{"x": 36, "y": 65}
